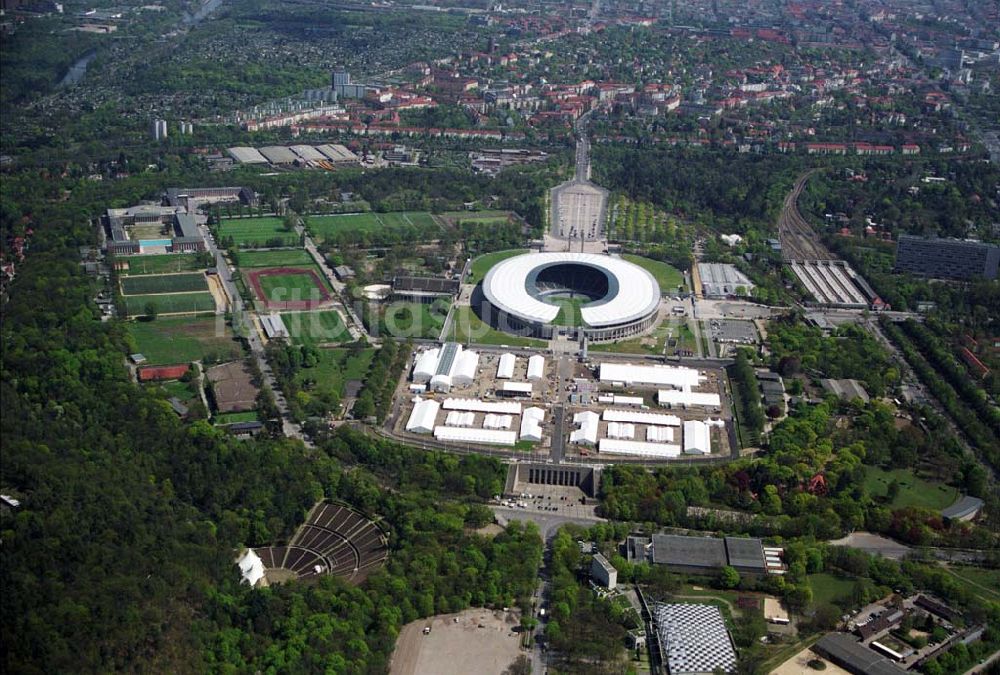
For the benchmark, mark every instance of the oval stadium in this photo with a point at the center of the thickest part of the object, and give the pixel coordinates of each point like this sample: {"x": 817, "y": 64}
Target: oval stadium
{"x": 575, "y": 294}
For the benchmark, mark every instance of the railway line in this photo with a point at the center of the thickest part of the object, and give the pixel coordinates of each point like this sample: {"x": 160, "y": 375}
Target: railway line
{"x": 798, "y": 239}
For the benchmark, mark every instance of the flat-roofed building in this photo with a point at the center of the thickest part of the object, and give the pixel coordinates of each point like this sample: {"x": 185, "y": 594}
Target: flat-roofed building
{"x": 603, "y": 572}
{"x": 721, "y": 280}
{"x": 947, "y": 258}
{"x": 745, "y": 555}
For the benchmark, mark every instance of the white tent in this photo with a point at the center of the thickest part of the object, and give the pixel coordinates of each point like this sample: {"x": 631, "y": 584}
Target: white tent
{"x": 659, "y": 434}
{"x": 531, "y": 424}
{"x": 426, "y": 365}
{"x": 493, "y": 421}
{"x": 505, "y": 368}
{"x": 672, "y": 397}
{"x": 588, "y": 422}
{"x": 676, "y": 377}
{"x": 460, "y": 419}
{"x": 464, "y": 370}
{"x": 614, "y": 446}
{"x": 621, "y": 430}
{"x": 697, "y": 439}
{"x": 536, "y": 367}
{"x": 470, "y": 435}
{"x": 251, "y": 567}
{"x": 475, "y": 405}
{"x": 638, "y": 417}
{"x": 422, "y": 416}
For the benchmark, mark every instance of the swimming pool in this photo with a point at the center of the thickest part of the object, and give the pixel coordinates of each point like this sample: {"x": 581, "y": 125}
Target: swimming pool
{"x": 155, "y": 242}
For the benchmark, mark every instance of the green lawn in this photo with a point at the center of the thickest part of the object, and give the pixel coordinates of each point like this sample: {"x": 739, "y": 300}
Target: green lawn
{"x": 485, "y": 217}
{"x": 170, "y": 303}
{"x": 293, "y": 257}
{"x": 164, "y": 283}
{"x": 569, "y": 310}
{"x": 257, "y": 232}
{"x": 325, "y": 227}
{"x": 335, "y": 367}
{"x": 913, "y": 491}
{"x": 159, "y": 264}
{"x": 315, "y": 328}
{"x": 414, "y": 319}
{"x": 984, "y": 582}
{"x": 667, "y": 276}
{"x": 179, "y": 389}
{"x": 182, "y": 340}
{"x": 293, "y": 286}
{"x": 828, "y": 588}
{"x": 467, "y": 327}
{"x": 654, "y": 342}
{"x": 236, "y": 417}
{"x": 482, "y": 264}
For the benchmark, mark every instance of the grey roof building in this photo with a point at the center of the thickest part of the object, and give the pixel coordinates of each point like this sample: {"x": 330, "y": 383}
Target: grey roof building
{"x": 947, "y": 258}
{"x": 965, "y": 508}
{"x": 701, "y": 555}
{"x": 603, "y": 571}
{"x": 846, "y": 652}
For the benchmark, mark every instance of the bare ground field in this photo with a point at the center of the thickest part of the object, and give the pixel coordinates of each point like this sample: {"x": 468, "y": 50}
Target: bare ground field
{"x": 482, "y": 641}
{"x": 799, "y": 665}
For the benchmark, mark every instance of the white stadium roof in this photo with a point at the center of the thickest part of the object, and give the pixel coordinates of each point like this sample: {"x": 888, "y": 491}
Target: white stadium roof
{"x": 633, "y": 292}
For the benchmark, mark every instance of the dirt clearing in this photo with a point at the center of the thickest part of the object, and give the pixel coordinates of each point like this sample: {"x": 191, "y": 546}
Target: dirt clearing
{"x": 482, "y": 641}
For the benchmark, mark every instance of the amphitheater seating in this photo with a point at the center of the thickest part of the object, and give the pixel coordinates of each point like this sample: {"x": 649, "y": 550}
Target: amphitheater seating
{"x": 335, "y": 540}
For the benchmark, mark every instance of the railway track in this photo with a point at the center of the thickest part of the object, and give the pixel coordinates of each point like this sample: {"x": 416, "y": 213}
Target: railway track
{"x": 798, "y": 239}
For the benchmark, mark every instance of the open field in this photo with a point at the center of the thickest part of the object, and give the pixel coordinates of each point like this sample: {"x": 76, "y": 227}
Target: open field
{"x": 667, "y": 276}
{"x": 257, "y": 232}
{"x": 326, "y": 227}
{"x": 315, "y": 328}
{"x": 164, "y": 283}
{"x": 159, "y": 264}
{"x": 288, "y": 288}
{"x": 414, "y": 319}
{"x": 482, "y": 264}
{"x": 292, "y": 257}
{"x": 170, "y": 303}
{"x": 828, "y": 588}
{"x": 335, "y": 367}
{"x": 913, "y": 491}
{"x": 467, "y": 327}
{"x": 982, "y": 582}
{"x": 182, "y": 340}
{"x": 478, "y": 641}
{"x": 291, "y": 286}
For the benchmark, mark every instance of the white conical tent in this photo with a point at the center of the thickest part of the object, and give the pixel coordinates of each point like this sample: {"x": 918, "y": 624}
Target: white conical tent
{"x": 251, "y": 567}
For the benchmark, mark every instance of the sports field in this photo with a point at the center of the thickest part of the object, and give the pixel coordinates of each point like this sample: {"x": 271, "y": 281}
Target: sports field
{"x": 182, "y": 340}
{"x": 482, "y": 264}
{"x": 289, "y": 288}
{"x": 569, "y": 310}
{"x": 414, "y": 319}
{"x": 257, "y": 232}
{"x": 327, "y": 227}
{"x": 159, "y": 264}
{"x": 467, "y": 327}
{"x": 667, "y": 276}
{"x": 315, "y": 328}
{"x": 170, "y": 303}
{"x": 913, "y": 491}
{"x": 484, "y": 217}
{"x": 292, "y": 286}
{"x": 164, "y": 283}
{"x": 293, "y": 257}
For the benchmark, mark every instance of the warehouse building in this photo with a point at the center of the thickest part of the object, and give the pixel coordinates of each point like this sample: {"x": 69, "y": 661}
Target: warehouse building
{"x": 720, "y": 280}
{"x": 947, "y": 258}
{"x": 445, "y": 367}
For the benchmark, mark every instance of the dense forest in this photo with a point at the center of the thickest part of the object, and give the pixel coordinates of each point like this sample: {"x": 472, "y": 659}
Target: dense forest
{"x": 120, "y": 556}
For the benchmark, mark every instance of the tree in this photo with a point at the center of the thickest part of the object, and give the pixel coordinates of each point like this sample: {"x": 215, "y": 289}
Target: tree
{"x": 520, "y": 666}
{"x": 729, "y": 577}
